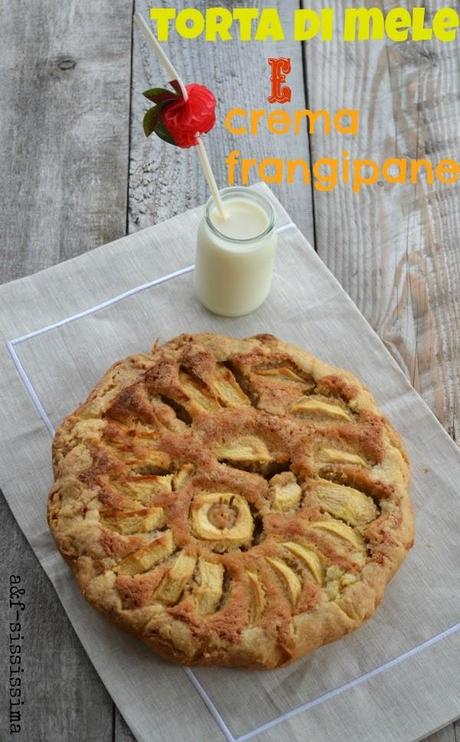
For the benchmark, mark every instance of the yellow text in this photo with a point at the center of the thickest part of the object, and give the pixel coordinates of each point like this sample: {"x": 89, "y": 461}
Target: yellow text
{"x": 327, "y": 173}
{"x": 217, "y": 24}
{"x": 399, "y": 24}
{"x": 241, "y": 122}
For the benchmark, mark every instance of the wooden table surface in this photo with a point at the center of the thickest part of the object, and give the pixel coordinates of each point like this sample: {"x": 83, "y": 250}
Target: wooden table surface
{"x": 78, "y": 172}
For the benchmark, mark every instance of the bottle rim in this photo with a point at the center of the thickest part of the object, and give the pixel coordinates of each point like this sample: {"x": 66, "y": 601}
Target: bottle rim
{"x": 252, "y": 195}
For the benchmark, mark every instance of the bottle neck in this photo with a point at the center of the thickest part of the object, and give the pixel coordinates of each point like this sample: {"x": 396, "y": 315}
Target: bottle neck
{"x": 249, "y": 217}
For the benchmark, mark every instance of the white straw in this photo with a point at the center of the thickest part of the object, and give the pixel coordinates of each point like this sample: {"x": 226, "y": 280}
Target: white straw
{"x": 170, "y": 69}
{"x": 165, "y": 61}
{"x": 209, "y": 175}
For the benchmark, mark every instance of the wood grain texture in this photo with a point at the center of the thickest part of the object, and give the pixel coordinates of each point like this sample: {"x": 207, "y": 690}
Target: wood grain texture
{"x": 64, "y": 82}
{"x": 394, "y": 248}
{"x": 122, "y": 733}
{"x": 448, "y": 734}
{"x": 165, "y": 180}
{"x": 64, "y": 129}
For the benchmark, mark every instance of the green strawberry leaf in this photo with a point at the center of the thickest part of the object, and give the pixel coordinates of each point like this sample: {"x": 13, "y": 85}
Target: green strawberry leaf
{"x": 159, "y": 95}
{"x": 162, "y": 132}
{"x": 150, "y": 120}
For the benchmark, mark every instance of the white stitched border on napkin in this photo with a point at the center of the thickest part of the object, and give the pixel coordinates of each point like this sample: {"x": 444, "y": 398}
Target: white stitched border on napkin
{"x": 190, "y": 674}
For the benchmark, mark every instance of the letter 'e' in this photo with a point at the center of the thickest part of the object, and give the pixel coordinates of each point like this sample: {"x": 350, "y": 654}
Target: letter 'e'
{"x": 280, "y": 69}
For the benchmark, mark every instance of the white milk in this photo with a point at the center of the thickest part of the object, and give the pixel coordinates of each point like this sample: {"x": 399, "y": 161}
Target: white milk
{"x": 234, "y": 260}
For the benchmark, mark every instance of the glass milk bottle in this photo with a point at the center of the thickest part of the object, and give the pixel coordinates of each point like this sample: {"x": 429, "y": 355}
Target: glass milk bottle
{"x": 235, "y": 254}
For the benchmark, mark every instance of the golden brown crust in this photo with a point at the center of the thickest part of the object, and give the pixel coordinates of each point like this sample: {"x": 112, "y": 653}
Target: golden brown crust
{"x": 231, "y": 502}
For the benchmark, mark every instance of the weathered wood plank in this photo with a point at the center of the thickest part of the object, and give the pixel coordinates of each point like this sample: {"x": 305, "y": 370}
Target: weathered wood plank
{"x": 448, "y": 734}
{"x": 122, "y": 733}
{"x": 165, "y": 180}
{"x": 65, "y": 80}
{"x": 395, "y": 248}
{"x": 63, "y": 129}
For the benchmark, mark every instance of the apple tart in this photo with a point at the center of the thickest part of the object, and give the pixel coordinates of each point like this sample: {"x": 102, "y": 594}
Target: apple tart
{"x": 231, "y": 502}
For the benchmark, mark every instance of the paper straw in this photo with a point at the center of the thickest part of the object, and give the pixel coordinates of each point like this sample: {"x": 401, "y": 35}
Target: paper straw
{"x": 164, "y": 59}
{"x": 209, "y": 175}
{"x": 172, "y": 72}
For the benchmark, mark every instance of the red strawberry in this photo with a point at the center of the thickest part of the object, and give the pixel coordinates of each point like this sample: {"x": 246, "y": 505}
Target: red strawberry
{"x": 178, "y": 121}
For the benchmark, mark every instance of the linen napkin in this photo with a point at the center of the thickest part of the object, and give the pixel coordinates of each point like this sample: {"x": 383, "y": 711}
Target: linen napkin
{"x": 398, "y": 677}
